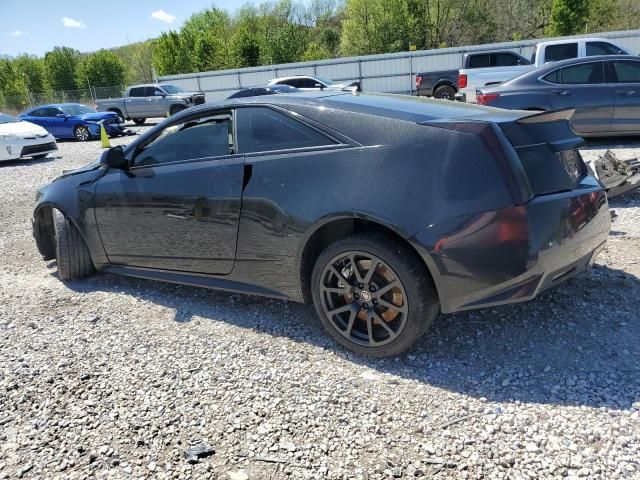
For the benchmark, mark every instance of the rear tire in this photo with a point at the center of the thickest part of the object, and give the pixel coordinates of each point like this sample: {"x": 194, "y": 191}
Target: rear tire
{"x": 445, "y": 92}
{"x": 139, "y": 121}
{"x": 72, "y": 255}
{"x": 38, "y": 157}
{"x": 378, "y": 313}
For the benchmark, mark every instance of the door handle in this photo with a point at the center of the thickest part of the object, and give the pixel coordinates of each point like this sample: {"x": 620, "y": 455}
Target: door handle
{"x": 148, "y": 99}
{"x": 562, "y": 92}
{"x": 128, "y": 100}
{"x": 626, "y": 93}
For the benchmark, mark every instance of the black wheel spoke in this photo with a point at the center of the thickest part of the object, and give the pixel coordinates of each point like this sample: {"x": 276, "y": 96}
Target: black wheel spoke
{"x": 355, "y": 269}
{"x": 354, "y": 305}
{"x": 370, "y": 272}
{"x": 352, "y": 320}
{"x": 392, "y": 306}
{"x": 343, "y": 308}
{"x": 384, "y": 325}
{"x": 335, "y": 271}
{"x": 387, "y": 287}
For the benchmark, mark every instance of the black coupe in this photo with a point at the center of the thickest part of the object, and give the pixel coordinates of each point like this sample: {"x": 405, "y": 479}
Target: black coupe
{"x": 382, "y": 210}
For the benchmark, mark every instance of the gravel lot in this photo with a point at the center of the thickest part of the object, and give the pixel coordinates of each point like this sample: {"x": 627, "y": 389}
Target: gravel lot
{"x": 112, "y": 377}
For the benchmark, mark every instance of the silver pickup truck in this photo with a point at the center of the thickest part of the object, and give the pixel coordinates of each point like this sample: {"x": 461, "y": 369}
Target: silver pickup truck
{"x": 147, "y": 101}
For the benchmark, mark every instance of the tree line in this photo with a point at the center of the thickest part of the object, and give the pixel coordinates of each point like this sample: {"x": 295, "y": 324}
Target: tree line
{"x": 287, "y": 31}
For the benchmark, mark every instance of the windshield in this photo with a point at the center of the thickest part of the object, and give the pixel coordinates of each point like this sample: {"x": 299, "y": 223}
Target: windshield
{"x": 4, "y": 118}
{"x": 325, "y": 81}
{"x": 76, "y": 109}
{"x": 171, "y": 89}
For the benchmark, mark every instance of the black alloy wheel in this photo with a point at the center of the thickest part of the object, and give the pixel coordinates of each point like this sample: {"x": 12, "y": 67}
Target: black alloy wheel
{"x": 373, "y": 295}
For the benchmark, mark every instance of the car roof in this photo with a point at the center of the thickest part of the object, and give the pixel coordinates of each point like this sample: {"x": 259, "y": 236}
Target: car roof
{"x": 576, "y": 40}
{"x": 399, "y": 107}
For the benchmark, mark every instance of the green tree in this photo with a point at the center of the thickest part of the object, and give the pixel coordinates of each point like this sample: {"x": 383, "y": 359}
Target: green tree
{"x": 138, "y": 58}
{"x": 13, "y": 85}
{"x": 60, "y": 65}
{"x": 171, "y": 54}
{"x": 375, "y": 26}
{"x": 100, "y": 69}
{"x": 207, "y": 35}
{"x": 33, "y": 70}
{"x": 568, "y": 17}
{"x": 245, "y": 43}
{"x": 315, "y": 51}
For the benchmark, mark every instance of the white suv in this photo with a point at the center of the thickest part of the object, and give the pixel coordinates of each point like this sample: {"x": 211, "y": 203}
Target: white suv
{"x": 309, "y": 83}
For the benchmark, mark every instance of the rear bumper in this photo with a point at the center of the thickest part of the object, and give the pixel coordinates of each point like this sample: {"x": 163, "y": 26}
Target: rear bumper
{"x": 511, "y": 255}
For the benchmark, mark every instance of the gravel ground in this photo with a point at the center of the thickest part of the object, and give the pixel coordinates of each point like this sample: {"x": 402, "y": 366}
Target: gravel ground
{"x": 112, "y": 377}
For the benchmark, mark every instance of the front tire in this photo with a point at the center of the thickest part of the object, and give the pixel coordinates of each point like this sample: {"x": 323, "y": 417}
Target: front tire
{"x": 139, "y": 121}
{"x": 82, "y": 133}
{"x": 72, "y": 255}
{"x": 445, "y": 92}
{"x": 176, "y": 109}
{"x": 38, "y": 157}
{"x": 373, "y": 295}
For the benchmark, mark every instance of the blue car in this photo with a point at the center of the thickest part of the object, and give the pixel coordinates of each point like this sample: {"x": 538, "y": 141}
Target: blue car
{"x": 74, "y": 120}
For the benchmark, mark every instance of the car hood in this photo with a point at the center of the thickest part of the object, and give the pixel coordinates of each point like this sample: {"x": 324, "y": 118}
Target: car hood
{"x": 95, "y": 117}
{"x": 22, "y": 128}
{"x": 185, "y": 94}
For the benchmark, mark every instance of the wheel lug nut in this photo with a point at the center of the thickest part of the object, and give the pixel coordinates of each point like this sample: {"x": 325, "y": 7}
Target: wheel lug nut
{"x": 360, "y": 285}
{"x": 356, "y": 296}
{"x": 365, "y": 306}
{"x": 375, "y": 302}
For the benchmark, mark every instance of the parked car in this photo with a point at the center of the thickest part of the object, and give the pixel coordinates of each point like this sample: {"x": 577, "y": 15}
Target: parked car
{"x": 314, "y": 83}
{"x": 444, "y": 83}
{"x": 544, "y": 52}
{"x": 257, "y": 91}
{"x": 148, "y": 101}
{"x": 604, "y": 92}
{"x": 381, "y": 209}
{"x": 20, "y": 139}
{"x": 74, "y": 120}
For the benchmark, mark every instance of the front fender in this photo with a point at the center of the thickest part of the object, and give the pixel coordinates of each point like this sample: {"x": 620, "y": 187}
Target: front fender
{"x": 74, "y": 197}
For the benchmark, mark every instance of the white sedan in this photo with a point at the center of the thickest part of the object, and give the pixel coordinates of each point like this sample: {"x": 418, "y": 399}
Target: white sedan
{"x": 20, "y": 139}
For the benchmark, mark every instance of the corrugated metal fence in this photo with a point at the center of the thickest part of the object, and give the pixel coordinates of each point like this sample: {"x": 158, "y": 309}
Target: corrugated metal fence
{"x": 392, "y": 73}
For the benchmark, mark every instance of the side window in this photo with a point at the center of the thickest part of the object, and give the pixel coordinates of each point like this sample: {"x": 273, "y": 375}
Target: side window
{"x": 37, "y": 113}
{"x": 553, "y": 53}
{"x": 603, "y": 48}
{"x": 136, "y": 92}
{"x": 504, "y": 59}
{"x": 627, "y": 72}
{"x": 586, "y": 73}
{"x": 151, "y": 91}
{"x": 294, "y": 82}
{"x": 196, "y": 138}
{"x": 553, "y": 77}
{"x": 307, "y": 83}
{"x": 263, "y": 130}
{"x": 479, "y": 61}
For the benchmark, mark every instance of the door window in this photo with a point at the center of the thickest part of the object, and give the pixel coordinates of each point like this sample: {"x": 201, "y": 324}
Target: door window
{"x": 38, "y": 113}
{"x": 505, "y": 59}
{"x": 586, "y": 73}
{"x": 151, "y": 91}
{"x": 136, "y": 92}
{"x": 480, "y": 61}
{"x": 263, "y": 129}
{"x": 307, "y": 83}
{"x": 627, "y": 72}
{"x": 195, "y": 138}
{"x": 553, "y": 53}
{"x": 603, "y": 48}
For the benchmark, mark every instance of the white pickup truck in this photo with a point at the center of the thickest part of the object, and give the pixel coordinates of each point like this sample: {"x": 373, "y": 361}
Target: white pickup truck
{"x": 545, "y": 52}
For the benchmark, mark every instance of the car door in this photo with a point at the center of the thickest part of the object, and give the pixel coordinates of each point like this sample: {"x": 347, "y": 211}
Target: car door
{"x": 37, "y": 117}
{"x": 135, "y": 103}
{"x": 59, "y": 123}
{"x": 583, "y": 88}
{"x": 626, "y": 89}
{"x": 156, "y": 102}
{"x": 177, "y": 206}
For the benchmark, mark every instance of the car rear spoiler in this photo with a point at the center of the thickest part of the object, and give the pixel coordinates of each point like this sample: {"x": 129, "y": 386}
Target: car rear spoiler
{"x": 552, "y": 116}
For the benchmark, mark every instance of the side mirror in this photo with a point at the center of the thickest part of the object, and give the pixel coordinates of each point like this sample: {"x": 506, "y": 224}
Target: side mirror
{"x": 319, "y": 85}
{"x": 62, "y": 115}
{"x": 114, "y": 158}
{"x": 158, "y": 93}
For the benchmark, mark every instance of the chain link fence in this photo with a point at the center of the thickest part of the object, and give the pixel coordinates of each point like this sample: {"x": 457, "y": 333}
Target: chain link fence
{"x": 18, "y": 103}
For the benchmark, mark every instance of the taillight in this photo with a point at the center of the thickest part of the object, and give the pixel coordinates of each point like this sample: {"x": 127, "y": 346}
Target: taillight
{"x": 462, "y": 80}
{"x": 418, "y": 81}
{"x": 486, "y": 98}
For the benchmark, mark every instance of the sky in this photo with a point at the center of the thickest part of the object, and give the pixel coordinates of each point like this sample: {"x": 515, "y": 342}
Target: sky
{"x": 36, "y": 26}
